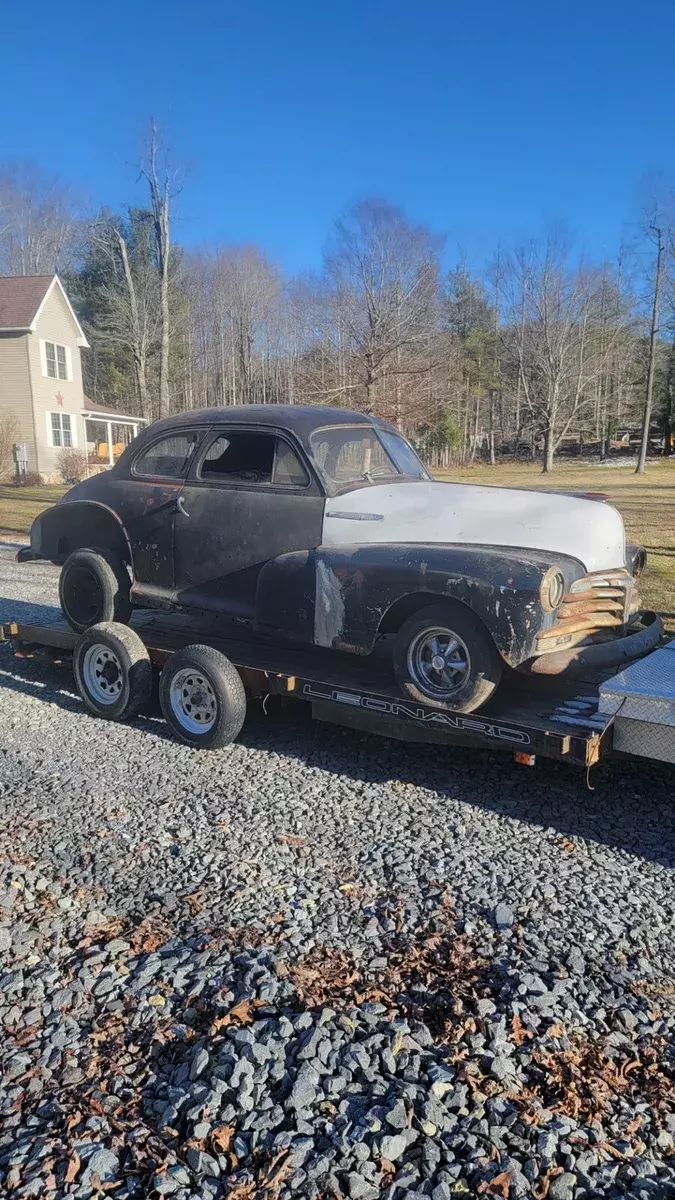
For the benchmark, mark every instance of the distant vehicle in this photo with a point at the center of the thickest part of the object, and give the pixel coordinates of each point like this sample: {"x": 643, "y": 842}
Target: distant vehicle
{"x": 322, "y": 527}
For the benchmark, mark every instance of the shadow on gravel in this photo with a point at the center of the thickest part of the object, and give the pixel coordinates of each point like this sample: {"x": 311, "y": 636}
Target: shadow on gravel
{"x": 629, "y": 805}
{"x": 27, "y": 614}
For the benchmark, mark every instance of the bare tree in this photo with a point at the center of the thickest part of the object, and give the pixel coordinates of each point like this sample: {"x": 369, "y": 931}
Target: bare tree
{"x": 40, "y": 225}
{"x": 160, "y": 184}
{"x": 381, "y": 275}
{"x": 658, "y": 233}
{"x": 553, "y": 308}
{"x": 9, "y": 432}
{"x": 128, "y": 302}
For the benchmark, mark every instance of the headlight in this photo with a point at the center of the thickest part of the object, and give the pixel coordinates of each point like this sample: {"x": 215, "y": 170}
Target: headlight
{"x": 639, "y": 563}
{"x": 552, "y": 590}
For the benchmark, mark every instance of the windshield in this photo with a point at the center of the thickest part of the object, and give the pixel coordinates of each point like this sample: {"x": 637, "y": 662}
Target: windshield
{"x": 360, "y": 454}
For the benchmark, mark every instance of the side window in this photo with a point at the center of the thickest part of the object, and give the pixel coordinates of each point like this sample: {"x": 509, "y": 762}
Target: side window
{"x": 167, "y": 458}
{"x": 246, "y": 457}
{"x": 288, "y": 470}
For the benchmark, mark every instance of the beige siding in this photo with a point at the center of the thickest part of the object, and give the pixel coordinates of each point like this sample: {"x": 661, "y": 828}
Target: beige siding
{"x": 55, "y": 324}
{"x": 15, "y": 394}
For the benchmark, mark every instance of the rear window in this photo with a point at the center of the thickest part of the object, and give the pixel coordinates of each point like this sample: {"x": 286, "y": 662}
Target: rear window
{"x": 167, "y": 458}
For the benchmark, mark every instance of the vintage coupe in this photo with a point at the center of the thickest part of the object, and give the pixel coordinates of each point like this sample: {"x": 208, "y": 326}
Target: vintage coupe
{"x": 322, "y": 526}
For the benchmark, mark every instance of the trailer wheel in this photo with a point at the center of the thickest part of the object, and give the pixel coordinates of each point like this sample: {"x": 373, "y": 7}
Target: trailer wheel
{"x": 94, "y": 587}
{"x": 444, "y": 656}
{"x": 202, "y": 697}
{"x": 113, "y": 671}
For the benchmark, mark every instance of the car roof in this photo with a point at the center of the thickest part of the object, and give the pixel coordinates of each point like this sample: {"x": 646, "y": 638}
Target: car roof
{"x": 301, "y": 419}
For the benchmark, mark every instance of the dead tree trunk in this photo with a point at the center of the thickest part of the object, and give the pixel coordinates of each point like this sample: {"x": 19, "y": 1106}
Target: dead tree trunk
{"x": 659, "y": 239}
{"x": 138, "y": 348}
{"x": 160, "y": 199}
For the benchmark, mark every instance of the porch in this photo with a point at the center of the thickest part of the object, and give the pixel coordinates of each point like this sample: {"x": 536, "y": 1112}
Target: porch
{"x": 107, "y": 434}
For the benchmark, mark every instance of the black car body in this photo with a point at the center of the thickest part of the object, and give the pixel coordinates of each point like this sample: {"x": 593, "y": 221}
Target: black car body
{"x": 322, "y": 526}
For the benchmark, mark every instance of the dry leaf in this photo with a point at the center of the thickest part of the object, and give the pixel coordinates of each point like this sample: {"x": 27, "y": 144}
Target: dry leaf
{"x": 290, "y": 839}
{"x": 387, "y": 1167}
{"x": 73, "y": 1167}
{"x": 518, "y": 1032}
{"x": 221, "y": 1137}
{"x": 555, "y": 1031}
{"x": 156, "y": 1001}
{"x": 612, "y": 1150}
{"x": 150, "y": 935}
{"x": 196, "y": 901}
{"x": 500, "y": 1185}
{"x": 241, "y": 1012}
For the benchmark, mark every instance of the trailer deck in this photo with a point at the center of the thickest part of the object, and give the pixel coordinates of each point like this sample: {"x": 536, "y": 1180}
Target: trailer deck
{"x": 554, "y": 718}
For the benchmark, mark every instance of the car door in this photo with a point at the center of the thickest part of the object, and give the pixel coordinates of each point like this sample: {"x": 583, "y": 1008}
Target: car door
{"x": 145, "y": 499}
{"x": 250, "y": 496}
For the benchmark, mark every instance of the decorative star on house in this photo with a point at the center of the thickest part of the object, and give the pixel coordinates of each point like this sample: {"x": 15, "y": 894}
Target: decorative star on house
{"x": 59, "y": 399}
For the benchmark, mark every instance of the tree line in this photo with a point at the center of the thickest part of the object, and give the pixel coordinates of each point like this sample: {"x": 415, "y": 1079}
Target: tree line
{"x": 538, "y": 353}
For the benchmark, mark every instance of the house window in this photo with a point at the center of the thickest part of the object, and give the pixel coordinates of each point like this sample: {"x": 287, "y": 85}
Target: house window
{"x": 56, "y": 360}
{"x": 62, "y": 432}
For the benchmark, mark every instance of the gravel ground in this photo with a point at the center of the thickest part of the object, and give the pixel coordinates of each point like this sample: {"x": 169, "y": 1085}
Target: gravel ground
{"x": 321, "y": 964}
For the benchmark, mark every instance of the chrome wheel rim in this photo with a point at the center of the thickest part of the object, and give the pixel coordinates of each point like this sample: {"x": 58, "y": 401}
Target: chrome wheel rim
{"x": 102, "y": 674}
{"x": 438, "y": 663}
{"x": 193, "y": 701}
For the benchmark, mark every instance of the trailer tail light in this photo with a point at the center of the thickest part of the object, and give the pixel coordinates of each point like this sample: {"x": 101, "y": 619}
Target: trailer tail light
{"x": 524, "y": 759}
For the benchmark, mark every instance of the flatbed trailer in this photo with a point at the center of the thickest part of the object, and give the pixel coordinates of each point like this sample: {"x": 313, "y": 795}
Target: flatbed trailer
{"x": 575, "y": 721}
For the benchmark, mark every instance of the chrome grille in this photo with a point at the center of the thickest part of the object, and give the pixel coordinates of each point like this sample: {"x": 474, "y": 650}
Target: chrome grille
{"x": 596, "y": 605}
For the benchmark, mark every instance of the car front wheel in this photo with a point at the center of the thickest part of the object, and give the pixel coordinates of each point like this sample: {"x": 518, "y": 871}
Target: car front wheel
{"x": 444, "y": 656}
{"x": 94, "y": 587}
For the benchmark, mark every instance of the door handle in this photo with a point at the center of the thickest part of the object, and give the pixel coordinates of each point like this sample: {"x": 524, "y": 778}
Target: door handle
{"x": 180, "y": 505}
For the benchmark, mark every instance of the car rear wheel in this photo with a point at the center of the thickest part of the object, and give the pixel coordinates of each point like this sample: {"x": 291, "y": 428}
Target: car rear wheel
{"x": 444, "y": 656}
{"x": 202, "y": 697}
{"x": 94, "y": 587}
{"x": 113, "y": 671}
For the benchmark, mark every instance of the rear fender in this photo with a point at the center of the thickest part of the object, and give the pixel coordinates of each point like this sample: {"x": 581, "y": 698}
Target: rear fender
{"x": 76, "y": 525}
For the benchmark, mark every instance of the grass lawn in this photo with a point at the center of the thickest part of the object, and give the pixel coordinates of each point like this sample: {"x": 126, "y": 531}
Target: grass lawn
{"x": 647, "y": 504}
{"x": 19, "y": 506}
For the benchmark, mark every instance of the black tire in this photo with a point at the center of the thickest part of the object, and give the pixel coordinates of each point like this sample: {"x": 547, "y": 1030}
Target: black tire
{"x": 94, "y": 587}
{"x": 462, "y": 690}
{"x": 113, "y": 671}
{"x": 202, "y": 697}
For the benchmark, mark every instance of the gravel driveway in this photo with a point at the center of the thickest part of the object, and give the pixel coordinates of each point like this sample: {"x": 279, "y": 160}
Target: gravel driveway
{"x": 321, "y": 964}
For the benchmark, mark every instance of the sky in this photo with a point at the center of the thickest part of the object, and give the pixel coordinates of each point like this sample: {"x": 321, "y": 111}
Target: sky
{"x": 485, "y": 122}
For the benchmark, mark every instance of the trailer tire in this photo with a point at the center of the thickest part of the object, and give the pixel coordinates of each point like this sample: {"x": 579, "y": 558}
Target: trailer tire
{"x": 94, "y": 587}
{"x": 113, "y": 671}
{"x": 452, "y": 632}
{"x": 202, "y": 697}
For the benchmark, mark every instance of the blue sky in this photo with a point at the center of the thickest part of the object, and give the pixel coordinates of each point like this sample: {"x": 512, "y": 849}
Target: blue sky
{"x": 484, "y": 121}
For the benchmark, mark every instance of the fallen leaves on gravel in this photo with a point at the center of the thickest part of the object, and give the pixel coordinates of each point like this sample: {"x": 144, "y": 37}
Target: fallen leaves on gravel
{"x": 240, "y": 1014}
{"x": 73, "y": 1167}
{"x": 149, "y": 935}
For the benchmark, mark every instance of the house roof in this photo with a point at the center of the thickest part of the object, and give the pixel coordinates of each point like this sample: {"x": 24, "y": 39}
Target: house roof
{"x": 91, "y": 406}
{"x": 21, "y": 301}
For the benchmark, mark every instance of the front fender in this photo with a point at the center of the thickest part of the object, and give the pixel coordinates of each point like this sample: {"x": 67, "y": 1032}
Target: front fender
{"x": 359, "y": 589}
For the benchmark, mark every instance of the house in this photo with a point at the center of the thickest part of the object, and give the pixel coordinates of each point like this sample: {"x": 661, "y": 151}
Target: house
{"x": 41, "y": 379}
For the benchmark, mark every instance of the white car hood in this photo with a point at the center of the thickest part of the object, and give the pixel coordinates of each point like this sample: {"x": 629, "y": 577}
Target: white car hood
{"x": 427, "y": 512}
